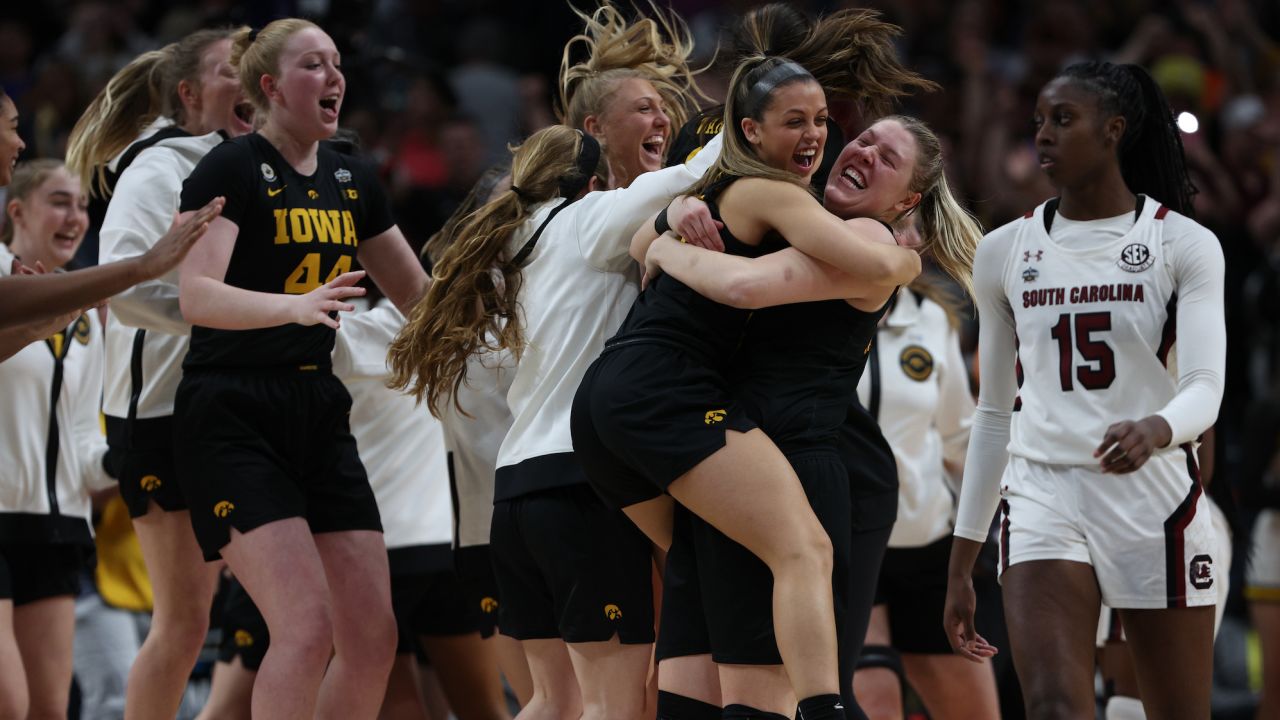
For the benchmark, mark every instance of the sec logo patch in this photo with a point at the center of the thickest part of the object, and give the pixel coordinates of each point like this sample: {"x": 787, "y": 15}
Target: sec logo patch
{"x": 1135, "y": 257}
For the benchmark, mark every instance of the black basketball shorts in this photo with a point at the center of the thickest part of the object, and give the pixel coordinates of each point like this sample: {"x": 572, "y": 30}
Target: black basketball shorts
{"x": 244, "y": 631}
{"x": 647, "y": 413}
{"x": 40, "y": 570}
{"x": 254, "y": 448}
{"x": 429, "y": 597}
{"x": 913, "y": 584}
{"x": 568, "y": 567}
{"x": 142, "y": 453}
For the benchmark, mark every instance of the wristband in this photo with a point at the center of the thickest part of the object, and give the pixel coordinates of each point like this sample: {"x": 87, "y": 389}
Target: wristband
{"x": 660, "y": 223}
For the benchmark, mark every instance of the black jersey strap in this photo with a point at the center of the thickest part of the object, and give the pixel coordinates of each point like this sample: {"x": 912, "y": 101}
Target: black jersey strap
{"x": 873, "y": 364}
{"x": 571, "y": 187}
{"x": 1051, "y": 210}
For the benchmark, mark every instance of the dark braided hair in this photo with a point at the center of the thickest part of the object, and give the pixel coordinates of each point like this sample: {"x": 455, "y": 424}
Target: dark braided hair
{"x": 1151, "y": 156}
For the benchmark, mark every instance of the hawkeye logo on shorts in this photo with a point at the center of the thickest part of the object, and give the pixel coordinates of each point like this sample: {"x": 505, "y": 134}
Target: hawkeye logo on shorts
{"x": 714, "y": 417}
{"x": 268, "y": 173}
{"x": 613, "y": 612}
{"x": 223, "y": 508}
{"x": 916, "y": 362}
{"x": 488, "y": 604}
{"x": 1200, "y": 572}
{"x": 342, "y": 175}
{"x": 150, "y": 483}
{"x": 1135, "y": 257}
{"x": 244, "y": 639}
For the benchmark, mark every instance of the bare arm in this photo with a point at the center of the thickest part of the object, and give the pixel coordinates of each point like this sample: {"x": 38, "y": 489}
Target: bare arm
{"x": 209, "y": 301}
{"x": 393, "y": 266}
{"x": 32, "y": 298}
{"x": 763, "y": 205}
{"x": 780, "y": 278}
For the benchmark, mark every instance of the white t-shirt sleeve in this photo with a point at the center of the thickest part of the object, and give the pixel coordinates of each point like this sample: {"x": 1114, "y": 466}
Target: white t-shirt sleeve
{"x": 87, "y": 426}
{"x": 1199, "y": 273}
{"x": 360, "y": 346}
{"x": 997, "y": 353}
{"x": 141, "y": 210}
{"x": 605, "y": 226}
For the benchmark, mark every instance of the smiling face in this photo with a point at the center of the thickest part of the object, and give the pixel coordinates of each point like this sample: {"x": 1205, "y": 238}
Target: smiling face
{"x": 306, "y": 94}
{"x": 1074, "y": 142}
{"x": 216, "y": 101}
{"x": 792, "y": 128}
{"x": 50, "y": 220}
{"x": 633, "y": 128}
{"x": 11, "y": 146}
{"x": 872, "y": 177}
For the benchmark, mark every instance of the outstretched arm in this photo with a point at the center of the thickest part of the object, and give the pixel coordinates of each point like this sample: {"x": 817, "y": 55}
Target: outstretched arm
{"x": 32, "y": 298}
{"x": 779, "y": 278}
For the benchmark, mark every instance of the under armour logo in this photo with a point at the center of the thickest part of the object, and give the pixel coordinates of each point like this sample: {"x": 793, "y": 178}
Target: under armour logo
{"x": 1027, "y": 255}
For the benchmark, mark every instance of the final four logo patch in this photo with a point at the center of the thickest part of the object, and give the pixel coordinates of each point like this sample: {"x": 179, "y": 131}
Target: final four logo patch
{"x": 1135, "y": 257}
{"x": 342, "y": 175}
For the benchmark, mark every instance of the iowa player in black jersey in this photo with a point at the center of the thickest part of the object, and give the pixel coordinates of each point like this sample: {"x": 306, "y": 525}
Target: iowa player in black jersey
{"x": 269, "y": 465}
{"x": 795, "y": 374}
{"x": 655, "y": 413}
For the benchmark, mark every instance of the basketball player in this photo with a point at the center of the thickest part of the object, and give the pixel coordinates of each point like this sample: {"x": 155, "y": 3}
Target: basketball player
{"x": 1101, "y": 499}
{"x": 266, "y": 458}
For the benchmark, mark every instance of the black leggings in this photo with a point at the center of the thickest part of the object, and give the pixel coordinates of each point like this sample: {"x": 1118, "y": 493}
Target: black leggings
{"x": 866, "y": 552}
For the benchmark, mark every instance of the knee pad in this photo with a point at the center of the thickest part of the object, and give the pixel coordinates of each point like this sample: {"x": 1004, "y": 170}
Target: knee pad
{"x": 678, "y": 707}
{"x": 882, "y": 656}
{"x": 1120, "y": 707}
{"x": 745, "y": 712}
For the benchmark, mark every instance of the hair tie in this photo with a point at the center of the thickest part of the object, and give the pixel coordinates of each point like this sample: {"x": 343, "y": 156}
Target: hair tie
{"x": 525, "y": 196}
{"x": 253, "y": 35}
{"x": 588, "y": 159}
{"x": 782, "y": 73}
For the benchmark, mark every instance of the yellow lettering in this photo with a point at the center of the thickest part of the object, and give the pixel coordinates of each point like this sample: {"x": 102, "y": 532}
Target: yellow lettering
{"x": 349, "y": 229}
{"x": 305, "y": 277}
{"x": 343, "y": 265}
{"x": 328, "y": 225}
{"x": 282, "y": 238}
{"x": 300, "y": 225}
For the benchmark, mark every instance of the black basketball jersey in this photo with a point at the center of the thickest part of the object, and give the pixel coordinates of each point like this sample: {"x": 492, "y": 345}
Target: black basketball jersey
{"x": 297, "y": 232}
{"x": 671, "y": 312}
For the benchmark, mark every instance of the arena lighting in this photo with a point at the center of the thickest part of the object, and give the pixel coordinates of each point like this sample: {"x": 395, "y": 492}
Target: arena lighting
{"x": 1187, "y": 122}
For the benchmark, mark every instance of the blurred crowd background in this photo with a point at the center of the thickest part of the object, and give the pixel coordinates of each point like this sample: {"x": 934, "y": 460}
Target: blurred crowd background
{"x": 437, "y": 88}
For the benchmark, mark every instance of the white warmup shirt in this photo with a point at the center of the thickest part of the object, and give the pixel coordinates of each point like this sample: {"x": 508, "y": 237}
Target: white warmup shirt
{"x": 400, "y": 443}
{"x": 49, "y": 394}
{"x": 578, "y": 285}
{"x": 473, "y": 442}
{"x": 145, "y": 329}
{"x": 1074, "y": 336}
{"x": 924, "y": 409}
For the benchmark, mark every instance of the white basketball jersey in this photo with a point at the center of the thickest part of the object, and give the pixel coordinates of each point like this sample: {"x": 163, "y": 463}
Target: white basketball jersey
{"x": 1094, "y": 328}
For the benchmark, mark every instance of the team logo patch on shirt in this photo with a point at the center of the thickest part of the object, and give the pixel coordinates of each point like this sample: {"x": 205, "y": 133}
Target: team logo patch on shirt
{"x": 916, "y": 362}
{"x": 268, "y": 173}
{"x": 342, "y": 175}
{"x": 1135, "y": 257}
{"x": 613, "y": 612}
{"x": 1200, "y": 572}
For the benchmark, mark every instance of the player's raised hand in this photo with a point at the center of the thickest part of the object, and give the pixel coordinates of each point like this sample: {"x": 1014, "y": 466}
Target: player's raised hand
{"x": 170, "y": 249}
{"x": 322, "y": 305}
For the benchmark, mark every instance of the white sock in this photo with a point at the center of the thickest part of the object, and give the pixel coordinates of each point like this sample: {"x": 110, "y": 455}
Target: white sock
{"x": 1125, "y": 708}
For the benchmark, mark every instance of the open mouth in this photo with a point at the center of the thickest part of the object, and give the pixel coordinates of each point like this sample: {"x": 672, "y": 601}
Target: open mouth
{"x": 653, "y": 146}
{"x": 329, "y": 105}
{"x": 244, "y": 113}
{"x": 66, "y": 238}
{"x": 1046, "y": 162}
{"x": 806, "y": 158}
{"x": 854, "y": 178}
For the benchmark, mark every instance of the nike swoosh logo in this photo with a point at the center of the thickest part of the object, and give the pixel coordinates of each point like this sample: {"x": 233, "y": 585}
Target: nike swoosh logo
{"x": 272, "y": 192}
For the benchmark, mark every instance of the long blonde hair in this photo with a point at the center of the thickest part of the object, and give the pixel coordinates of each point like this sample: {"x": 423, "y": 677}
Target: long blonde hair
{"x": 133, "y": 98}
{"x": 472, "y": 305}
{"x": 950, "y": 232}
{"x": 654, "y": 48}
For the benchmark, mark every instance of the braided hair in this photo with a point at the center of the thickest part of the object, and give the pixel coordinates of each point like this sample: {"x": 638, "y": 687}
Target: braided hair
{"x": 1151, "y": 156}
